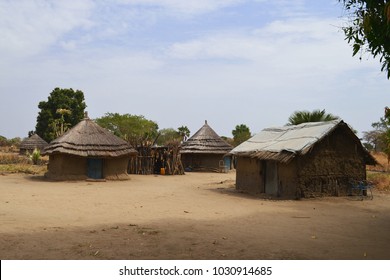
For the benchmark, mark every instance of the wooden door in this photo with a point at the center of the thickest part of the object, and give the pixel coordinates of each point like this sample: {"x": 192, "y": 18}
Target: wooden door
{"x": 95, "y": 168}
{"x": 271, "y": 178}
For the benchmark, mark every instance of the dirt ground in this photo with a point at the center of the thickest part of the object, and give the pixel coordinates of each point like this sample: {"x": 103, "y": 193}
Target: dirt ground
{"x": 194, "y": 216}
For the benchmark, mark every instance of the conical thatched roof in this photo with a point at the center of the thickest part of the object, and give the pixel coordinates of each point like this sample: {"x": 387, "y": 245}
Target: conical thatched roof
{"x": 87, "y": 139}
{"x": 205, "y": 141}
{"x": 33, "y": 142}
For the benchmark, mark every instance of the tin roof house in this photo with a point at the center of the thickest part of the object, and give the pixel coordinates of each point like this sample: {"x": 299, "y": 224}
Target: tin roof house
{"x": 310, "y": 159}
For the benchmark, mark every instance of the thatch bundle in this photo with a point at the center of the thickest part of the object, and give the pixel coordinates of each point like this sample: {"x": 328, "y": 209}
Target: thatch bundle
{"x": 32, "y": 143}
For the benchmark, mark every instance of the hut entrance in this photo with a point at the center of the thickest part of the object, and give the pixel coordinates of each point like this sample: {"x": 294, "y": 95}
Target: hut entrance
{"x": 271, "y": 178}
{"x": 95, "y": 168}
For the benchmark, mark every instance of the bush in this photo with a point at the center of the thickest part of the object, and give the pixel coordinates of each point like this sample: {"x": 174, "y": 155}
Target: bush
{"x": 36, "y": 157}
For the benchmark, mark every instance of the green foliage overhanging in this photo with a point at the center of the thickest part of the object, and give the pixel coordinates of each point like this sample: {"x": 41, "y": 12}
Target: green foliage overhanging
{"x": 368, "y": 29}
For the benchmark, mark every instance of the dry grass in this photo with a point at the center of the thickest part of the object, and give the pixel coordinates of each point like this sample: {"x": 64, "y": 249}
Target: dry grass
{"x": 13, "y": 158}
{"x": 23, "y": 168}
{"x": 15, "y": 163}
{"x": 380, "y": 180}
{"x": 381, "y": 158}
{"x": 9, "y": 149}
{"x": 379, "y": 175}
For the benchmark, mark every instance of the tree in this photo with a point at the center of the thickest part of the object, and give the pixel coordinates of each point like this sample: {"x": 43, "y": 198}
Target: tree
{"x": 387, "y": 134}
{"x": 228, "y": 140}
{"x": 168, "y": 135}
{"x": 30, "y": 133}
{"x": 10, "y": 142}
{"x": 240, "y": 134}
{"x": 377, "y": 137}
{"x": 3, "y": 141}
{"x": 59, "y": 125}
{"x": 184, "y": 132}
{"x": 50, "y": 117}
{"x": 368, "y": 29}
{"x": 134, "y": 129}
{"x": 299, "y": 117}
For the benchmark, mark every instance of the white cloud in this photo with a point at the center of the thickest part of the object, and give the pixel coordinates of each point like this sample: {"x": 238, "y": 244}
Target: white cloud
{"x": 283, "y": 45}
{"x": 181, "y": 7}
{"x": 254, "y": 73}
{"x": 280, "y": 41}
{"x": 28, "y": 27}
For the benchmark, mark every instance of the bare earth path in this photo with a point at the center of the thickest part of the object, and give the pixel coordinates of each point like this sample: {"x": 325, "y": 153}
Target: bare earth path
{"x": 195, "y": 216}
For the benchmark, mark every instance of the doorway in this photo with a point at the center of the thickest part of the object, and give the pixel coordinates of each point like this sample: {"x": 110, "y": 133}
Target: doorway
{"x": 95, "y": 168}
{"x": 271, "y": 178}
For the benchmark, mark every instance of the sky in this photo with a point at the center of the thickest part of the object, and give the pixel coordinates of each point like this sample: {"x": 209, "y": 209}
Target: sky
{"x": 177, "y": 62}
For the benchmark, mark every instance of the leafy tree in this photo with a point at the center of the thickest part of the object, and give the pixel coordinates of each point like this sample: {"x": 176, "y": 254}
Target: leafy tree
{"x": 184, "y": 132}
{"x": 299, "y": 117}
{"x": 377, "y": 137}
{"x": 15, "y": 141}
{"x": 240, "y": 134}
{"x": 3, "y": 141}
{"x": 387, "y": 114}
{"x": 387, "y": 133}
{"x": 136, "y": 130}
{"x": 30, "y": 133}
{"x": 228, "y": 140}
{"x": 168, "y": 135}
{"x": 368, "y": 29}
{"x": 50, "y": 116}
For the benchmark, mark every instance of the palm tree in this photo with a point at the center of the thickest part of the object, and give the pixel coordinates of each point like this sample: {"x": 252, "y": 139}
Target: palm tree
{"x": 240, "y": 134}
{"x": 299, "y": 117}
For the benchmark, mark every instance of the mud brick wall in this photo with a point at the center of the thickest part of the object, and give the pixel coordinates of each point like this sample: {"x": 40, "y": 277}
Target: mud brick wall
{"x": 249, "y": 175}
{"x": 329, "y": 167}
{"x": 205, "y": 161}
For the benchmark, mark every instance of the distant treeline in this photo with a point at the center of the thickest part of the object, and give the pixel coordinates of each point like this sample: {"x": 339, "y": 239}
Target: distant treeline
{"x": 4, "y": 142}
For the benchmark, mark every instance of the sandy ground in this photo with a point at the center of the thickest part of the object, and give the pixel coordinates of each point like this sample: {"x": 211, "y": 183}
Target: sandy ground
{"x": 194, "y": 216}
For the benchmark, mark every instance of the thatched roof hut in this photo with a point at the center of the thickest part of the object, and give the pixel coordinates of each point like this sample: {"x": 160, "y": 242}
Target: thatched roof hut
{"x": 88, "y": 151}
{"x": 204, "y": 150}
{"x": 28, "y": 145}
{"x": 318, "y": 158}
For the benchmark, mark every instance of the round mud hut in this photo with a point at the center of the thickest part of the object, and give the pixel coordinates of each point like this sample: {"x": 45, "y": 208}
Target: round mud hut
{"x": 88, "y": 151}
{"x": 28, "y": 145}
{"x": 205, "y": 151}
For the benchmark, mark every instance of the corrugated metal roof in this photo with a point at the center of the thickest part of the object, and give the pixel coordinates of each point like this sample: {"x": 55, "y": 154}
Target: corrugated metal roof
{"x": 293, "y": 139}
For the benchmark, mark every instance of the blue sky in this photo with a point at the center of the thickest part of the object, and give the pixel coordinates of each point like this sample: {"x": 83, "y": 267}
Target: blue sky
{"x": 178, "y": 62}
